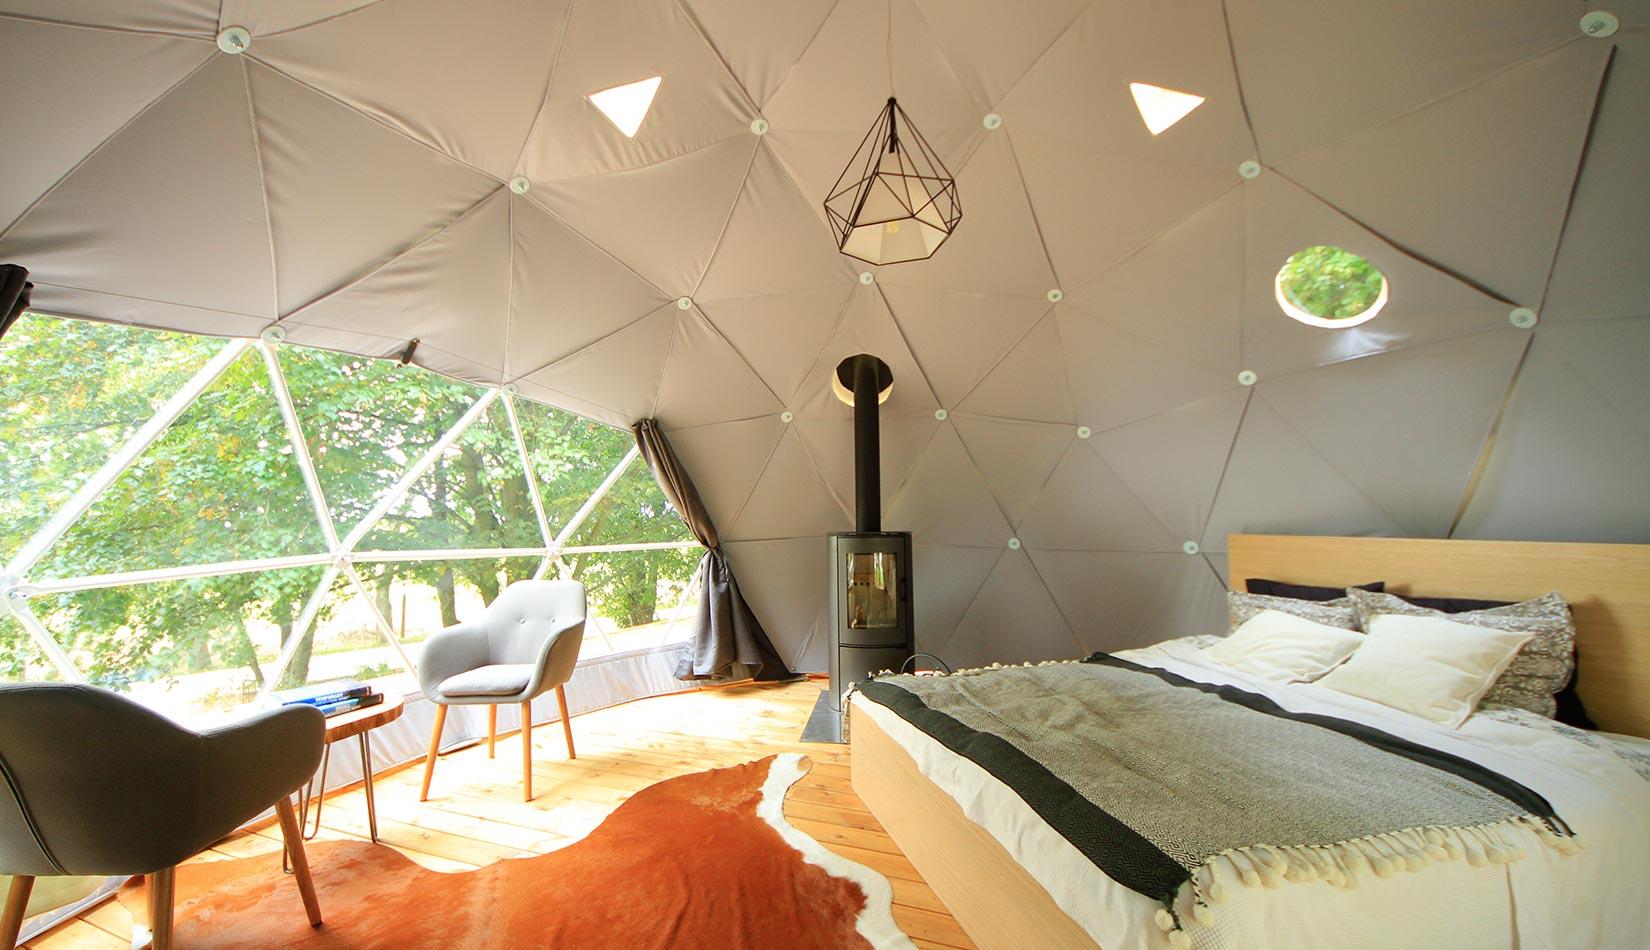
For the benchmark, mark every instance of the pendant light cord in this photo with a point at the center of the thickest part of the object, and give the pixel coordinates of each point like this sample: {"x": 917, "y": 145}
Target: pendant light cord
{"x": 890, "y": 48}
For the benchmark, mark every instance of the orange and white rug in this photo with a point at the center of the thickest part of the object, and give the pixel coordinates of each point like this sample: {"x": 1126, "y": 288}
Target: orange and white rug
{"x": 699, "y": 861}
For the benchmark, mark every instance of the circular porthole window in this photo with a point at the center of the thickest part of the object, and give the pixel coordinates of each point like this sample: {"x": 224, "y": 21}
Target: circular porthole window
{"x": 1330, "y": 287}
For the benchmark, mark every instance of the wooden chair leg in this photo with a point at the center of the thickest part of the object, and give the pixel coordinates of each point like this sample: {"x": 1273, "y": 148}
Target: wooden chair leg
{"x": 435, "y": 747}
{"x": 566, "y": 723}
{"x": 527, "y": 751}
{"x": 160, "y": 885}
{"x": 492, "y": 728}
{"x": 17, "y": 904}
{"x": 294, "y": 836}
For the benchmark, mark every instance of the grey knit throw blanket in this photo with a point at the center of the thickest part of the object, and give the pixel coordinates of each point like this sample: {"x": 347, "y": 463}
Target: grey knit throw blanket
{"x": 1160, "y": 781}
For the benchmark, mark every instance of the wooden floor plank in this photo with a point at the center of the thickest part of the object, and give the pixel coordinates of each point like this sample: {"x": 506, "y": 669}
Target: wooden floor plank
{"x": 475, "y": 814}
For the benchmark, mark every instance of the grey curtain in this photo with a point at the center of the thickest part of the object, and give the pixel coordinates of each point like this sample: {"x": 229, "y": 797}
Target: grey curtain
{"x": 728, "y": 641}
{"x": 14, "y": 294}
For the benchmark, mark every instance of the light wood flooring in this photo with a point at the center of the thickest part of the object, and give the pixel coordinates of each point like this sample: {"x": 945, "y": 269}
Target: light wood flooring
{"x": 476, "y": 816}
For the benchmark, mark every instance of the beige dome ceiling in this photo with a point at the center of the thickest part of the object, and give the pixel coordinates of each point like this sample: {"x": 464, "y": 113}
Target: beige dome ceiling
{"x": 348, "y": 177}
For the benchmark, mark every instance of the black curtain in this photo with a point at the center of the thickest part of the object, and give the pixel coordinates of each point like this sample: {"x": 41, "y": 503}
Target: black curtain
{"x": 728, "y": 641}
{"x": 14, "y": 294}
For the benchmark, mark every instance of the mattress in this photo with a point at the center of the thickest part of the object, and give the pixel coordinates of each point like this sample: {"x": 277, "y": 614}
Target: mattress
{"x": 1594, "y": 898}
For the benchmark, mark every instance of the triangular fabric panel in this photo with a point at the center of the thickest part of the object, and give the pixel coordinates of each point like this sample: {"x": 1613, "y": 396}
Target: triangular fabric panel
{"x": 612, "y": 44}
{"x": 774, "y": 241}
{"x": 1284, "y": 54}
{"x": 398, "y": 62}
{"x": 662, "y": 220}
{"x": 1016, "y": 457}
{"x": 1414, "y": 473}
{"x": 1220, "y": 565}
{"x": 324, "y": 163}
{"x": 1610, "y": 356}
{"x": 1558, "y": 430}
{"x": 789, "y": 500}
{"x": 705, "y": 380}
{"x": 989, "y": 60}
{"x": 724, "y": 461}
{"x": 1105, "y": 595}
{"x": 220, "y": 485}
{"x": 450, "y": 292}
{"x": 934, "y": 321}
{"x": 566, "y": 293}
{"x": 1173, "y": 461}
{"x": 831, "y": 444}
{"x": 133, "y": 70}
{"x": 1425, "y": 304}
{"x": 188, "y": 161}
{"x": 944, "y": 585}
{"x": 784, "y": 582}
{"x": 760, "y": 40}
{"x": 262, "y": 18}
{"x": 1030, "y": 382}
{"x": 1013, "y": 618}
{"x": 945, "y": 500}
{"x": 199, "y": 17}
{"x": 1278, "y": 483}
{"x": 1192, "y": 603}
{"x": 1085, "y": 506}
{"x": 1490, "y": 197}
{"x": 780, "y": 335}
{"x": 1600, "y": 266}
{"x": 620, "y": 371}
{"x": 1182, "y": 291}
{"x": 1078, "y": 94}
{"x": 1117, "y": 377}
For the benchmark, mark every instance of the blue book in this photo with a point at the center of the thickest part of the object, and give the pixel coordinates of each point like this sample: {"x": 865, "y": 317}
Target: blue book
{"x": 320, "y": 694}
{"x": 350, "y": 705}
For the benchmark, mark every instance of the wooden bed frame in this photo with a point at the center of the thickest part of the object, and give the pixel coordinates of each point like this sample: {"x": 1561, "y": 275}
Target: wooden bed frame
{"x": 1607, "y": 586}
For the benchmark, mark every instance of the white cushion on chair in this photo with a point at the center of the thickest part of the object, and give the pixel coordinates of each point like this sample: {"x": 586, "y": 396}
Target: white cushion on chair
{"x": 497, "y": 679}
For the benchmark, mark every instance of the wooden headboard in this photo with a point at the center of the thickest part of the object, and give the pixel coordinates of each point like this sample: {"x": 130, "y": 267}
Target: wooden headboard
{"x": 1606, "y": 585}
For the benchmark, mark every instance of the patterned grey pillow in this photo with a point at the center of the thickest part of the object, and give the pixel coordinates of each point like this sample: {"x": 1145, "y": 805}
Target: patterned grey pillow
{"x": 1331, "y": 613}
{"x": 1539, "y": 671}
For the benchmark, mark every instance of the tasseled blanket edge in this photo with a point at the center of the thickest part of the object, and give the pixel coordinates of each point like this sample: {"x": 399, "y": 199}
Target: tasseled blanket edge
{"x": 1340, "y": 864}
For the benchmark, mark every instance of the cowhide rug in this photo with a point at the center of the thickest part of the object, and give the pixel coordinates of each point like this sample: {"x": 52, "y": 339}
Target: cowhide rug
{"x": 699, "y": 861}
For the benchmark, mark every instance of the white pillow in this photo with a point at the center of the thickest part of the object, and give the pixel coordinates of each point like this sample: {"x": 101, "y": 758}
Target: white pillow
{"x": 1427, "y": 666}
{"x": 1284, "y": 647}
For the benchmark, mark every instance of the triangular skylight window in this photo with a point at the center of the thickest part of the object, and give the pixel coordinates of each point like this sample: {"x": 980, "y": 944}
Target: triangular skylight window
{"x": 626, "y": 106}
{"x": 1161, "y": 108}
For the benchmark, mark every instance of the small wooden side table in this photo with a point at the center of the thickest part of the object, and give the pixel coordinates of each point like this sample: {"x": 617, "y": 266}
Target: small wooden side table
{"x": 358, "y": 723}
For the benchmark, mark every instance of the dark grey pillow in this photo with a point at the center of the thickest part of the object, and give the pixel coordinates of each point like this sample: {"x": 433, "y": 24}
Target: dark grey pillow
{"x": 1260, "y": 585}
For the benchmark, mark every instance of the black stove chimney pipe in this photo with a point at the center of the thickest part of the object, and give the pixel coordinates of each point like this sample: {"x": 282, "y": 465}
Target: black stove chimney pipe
{"x": 867, "y": 379}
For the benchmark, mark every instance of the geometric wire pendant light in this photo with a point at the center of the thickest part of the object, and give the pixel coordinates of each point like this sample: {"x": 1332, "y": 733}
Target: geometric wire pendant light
{"x": 895, "y": 201}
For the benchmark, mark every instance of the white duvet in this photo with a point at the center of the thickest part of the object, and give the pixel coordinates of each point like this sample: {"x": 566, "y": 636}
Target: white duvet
{"x": 1596, "y": 898}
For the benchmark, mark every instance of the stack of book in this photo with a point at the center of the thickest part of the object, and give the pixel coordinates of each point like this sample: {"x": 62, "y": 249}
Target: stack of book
{"x": 331, "y": 698}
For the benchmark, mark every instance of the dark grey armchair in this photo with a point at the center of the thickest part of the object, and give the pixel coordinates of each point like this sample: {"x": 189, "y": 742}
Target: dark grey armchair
{"x": 525, "y": 644}
{"x": 96, "y": 784}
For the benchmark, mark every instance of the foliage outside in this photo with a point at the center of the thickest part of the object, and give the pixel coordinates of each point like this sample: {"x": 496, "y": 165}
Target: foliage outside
{"x": 1330, "y": 282}
{"x": 222, "y": 484}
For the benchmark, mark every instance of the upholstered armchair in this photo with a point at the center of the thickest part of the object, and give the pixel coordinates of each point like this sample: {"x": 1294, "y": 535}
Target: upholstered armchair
{"x": 525, "y": 644}
{"x": 96, "y": 784}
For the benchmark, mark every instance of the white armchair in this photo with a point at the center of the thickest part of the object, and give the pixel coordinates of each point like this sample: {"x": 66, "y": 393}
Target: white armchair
{"x": 525, "y": 644}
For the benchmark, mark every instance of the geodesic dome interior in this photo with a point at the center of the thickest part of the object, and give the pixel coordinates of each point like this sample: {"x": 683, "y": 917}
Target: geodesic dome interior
{"x": 1094, "y": 382}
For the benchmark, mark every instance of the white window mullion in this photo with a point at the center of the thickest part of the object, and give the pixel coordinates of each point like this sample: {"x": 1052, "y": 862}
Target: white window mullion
{"x": 64, "y": 585}
{"x": 396, "y": 492}
{"x": 595, "y": 499}
{"x": 35, "y": 548}
{"x": 300, "y": 447}
{"x": 15, "y": 604}
{"x": 300, "y": 628}
{"x": 527, "y": 469}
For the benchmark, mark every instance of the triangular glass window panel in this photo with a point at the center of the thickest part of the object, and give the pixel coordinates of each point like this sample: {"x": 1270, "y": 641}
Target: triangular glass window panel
{"x": 73, "y": 392}
{"x": 474, "y": 496}
{"x": 626, "y": 106}
{"x": 1161, "y": 108}
{"x": 220, "y": 485}
{"x": 20, "y": 658}
{"x": 367, "y": 421}
{"x": 634, "y": 510}
{"x": 571, "y": 456}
